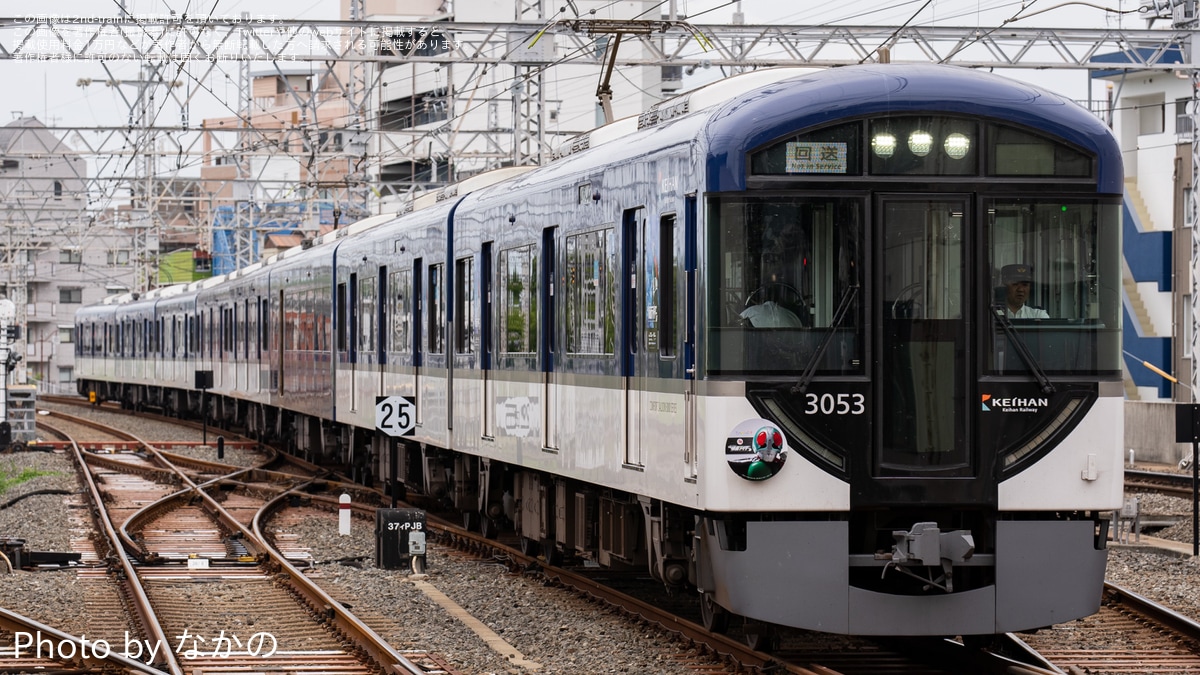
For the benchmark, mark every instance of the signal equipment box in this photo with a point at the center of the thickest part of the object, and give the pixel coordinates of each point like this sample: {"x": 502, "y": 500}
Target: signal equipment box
{"x": 22, "y": 415}
{"x": 400, "y": 539}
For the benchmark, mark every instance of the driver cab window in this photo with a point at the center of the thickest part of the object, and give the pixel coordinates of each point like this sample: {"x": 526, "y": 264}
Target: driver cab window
{"x": 1054, "y": 277}
{"x": 780, "y": 269}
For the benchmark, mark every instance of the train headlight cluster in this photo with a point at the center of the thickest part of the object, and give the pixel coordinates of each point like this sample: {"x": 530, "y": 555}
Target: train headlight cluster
{"x": 921, "y": 143}
{"x": 957, "y": 145}
{"x": 884, "y": 145}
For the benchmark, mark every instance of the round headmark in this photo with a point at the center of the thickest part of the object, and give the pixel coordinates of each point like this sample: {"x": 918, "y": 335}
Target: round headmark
{"x": 756, "y": 449}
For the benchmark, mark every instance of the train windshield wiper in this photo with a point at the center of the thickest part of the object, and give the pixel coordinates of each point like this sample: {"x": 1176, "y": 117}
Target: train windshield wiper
{"x": 1018, "y": 343}
{"x": 810, "y": 368}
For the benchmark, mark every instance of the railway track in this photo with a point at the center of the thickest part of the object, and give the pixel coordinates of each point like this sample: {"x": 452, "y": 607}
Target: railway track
{"x": 27, "y": 645}
{"x": 202, "y": 580}
{"x": 1174, "y": 484}
{"x": 242, "y": 493}
{"x": 1130, "y": 634}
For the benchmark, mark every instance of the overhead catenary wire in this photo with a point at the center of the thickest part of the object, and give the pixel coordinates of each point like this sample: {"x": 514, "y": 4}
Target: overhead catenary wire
{"x": 458, "y": 117}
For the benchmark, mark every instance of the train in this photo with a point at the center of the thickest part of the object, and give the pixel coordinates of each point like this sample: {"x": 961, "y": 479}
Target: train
{"x": 835, "y": 349}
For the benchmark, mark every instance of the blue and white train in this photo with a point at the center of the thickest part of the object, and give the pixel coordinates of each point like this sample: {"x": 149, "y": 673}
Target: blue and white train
{"x": 837, "y": 348}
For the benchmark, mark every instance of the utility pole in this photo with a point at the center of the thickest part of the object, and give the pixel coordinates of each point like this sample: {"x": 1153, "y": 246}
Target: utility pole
{"x": 9, "y": 332}
{"x": 528, "y": 89}
{"x": 1184, "y": 17}
{"x": 245, "y": 221}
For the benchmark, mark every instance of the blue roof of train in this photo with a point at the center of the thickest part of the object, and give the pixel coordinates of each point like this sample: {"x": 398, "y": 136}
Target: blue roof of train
{"x": 841, "y": 93}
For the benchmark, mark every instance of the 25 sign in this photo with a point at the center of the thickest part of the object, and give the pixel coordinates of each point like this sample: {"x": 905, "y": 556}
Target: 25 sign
{"x": 396, "y": 415}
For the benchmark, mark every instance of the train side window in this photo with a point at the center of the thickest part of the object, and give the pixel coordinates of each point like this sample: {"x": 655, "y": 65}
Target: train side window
{"x": 665, "y": 269}
{"x": 264, "y": 309}
{"x": 290, "y": 317}
{"x": 245, "y": 329}
{"x": 437, "y": 308}
{"x": 366, "y": 315}
{"x": 313, "y": 322}
{"x": 341, "y": 317}
{"x": 228, "y": 329}
{"x": 401, "y": 312}
{"x": 465, "y": 293}
{"x": 518, "y": 300}
{"x": 591, "y": 292}
{"x": 352, "y": 321}
{"x": 380, "y": 343}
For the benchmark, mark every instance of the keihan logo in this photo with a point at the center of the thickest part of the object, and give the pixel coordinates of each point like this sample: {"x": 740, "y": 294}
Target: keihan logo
{"x": 1013, "y": 404}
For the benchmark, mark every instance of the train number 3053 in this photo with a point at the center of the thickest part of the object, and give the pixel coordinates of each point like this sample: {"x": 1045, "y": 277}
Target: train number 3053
{"x": 835, "y": 404}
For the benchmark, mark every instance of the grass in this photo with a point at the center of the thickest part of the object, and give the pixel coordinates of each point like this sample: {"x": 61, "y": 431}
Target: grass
{"x": 10, "y": 477}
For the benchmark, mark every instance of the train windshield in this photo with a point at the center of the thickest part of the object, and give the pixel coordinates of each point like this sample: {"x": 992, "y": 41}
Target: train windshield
{"x": 780, "y": 267}
{"x": 1057, "y": 278}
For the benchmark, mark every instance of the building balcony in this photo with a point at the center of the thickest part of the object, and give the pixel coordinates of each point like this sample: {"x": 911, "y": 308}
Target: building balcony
{"x": 41, "y": 312}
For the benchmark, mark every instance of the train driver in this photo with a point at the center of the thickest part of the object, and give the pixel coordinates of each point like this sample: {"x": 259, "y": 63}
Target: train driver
{"x": 1017, "y": 280}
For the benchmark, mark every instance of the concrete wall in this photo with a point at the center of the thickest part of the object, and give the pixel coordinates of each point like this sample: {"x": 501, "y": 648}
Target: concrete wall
{"x": 1150, "y": 432}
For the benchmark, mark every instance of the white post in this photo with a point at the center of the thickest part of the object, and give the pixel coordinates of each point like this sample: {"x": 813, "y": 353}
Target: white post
{"x": 8, "y": 315}
{"x": 1131, "y": 457}
{"x": 344, "y": 515}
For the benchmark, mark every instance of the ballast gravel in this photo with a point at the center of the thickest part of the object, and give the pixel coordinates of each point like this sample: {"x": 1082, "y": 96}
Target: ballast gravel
{"x": 558, "y": 630}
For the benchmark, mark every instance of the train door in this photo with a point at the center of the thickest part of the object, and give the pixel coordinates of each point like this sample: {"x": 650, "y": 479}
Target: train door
{"x": 690, "y": 454}
{"x": 633, "y": 358}
{"x": 486, "y": 342}
{"x": 365, "y": 315}
{"x": 548, "y": 330}
{"x": 923, "y": 246}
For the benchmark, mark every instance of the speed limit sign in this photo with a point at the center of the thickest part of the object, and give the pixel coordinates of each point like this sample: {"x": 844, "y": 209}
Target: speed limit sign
{"x": 396, "y": 415}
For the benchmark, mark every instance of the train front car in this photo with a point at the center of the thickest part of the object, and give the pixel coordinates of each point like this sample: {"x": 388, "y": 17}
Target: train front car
{"x": 915, "y": 273}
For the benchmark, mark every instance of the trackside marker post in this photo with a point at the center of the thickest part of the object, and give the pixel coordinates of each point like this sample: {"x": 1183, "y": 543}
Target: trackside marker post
{"x": 1187, "y": 430}
{"x": 344, "y": 515}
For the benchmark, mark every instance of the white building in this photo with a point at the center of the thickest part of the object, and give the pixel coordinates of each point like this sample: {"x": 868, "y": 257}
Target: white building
{"x": 54, "y": 256}
{"x": 1152, "y": 124}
